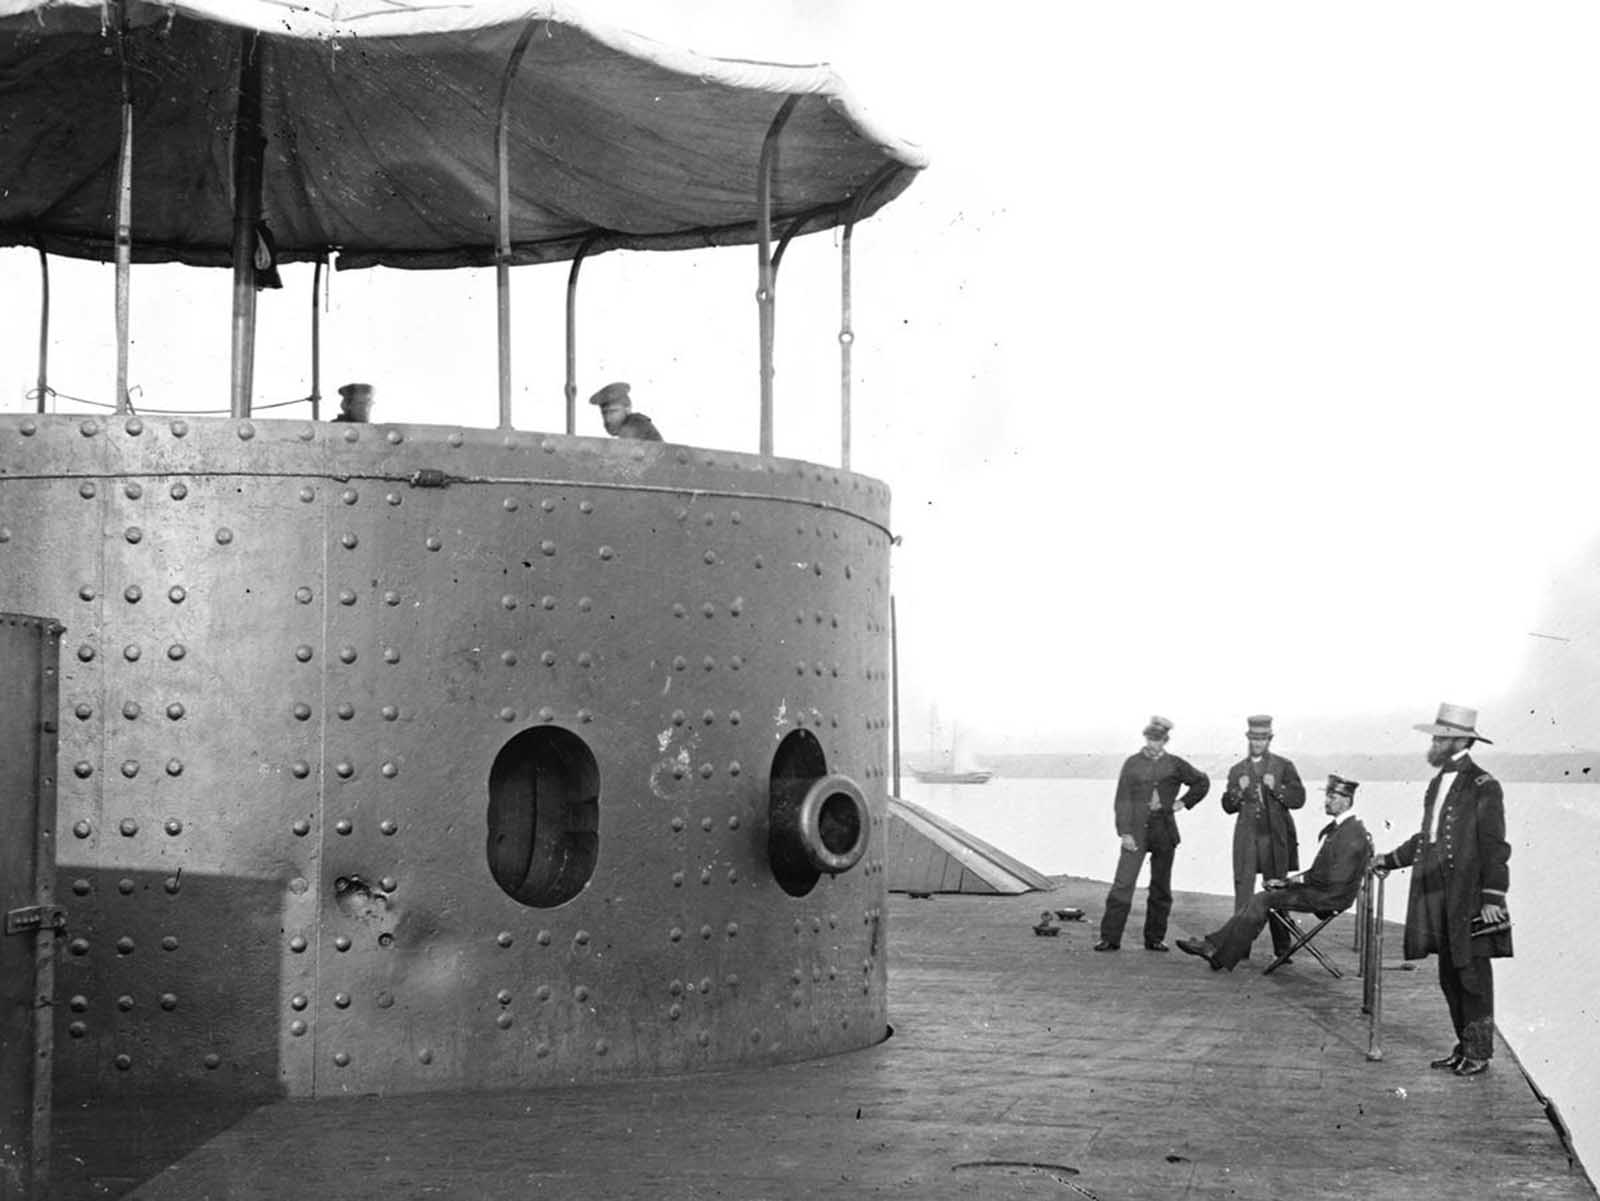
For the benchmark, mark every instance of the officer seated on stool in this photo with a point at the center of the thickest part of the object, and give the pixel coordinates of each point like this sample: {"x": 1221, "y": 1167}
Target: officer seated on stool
{"x": 616, "y": 411}
{"x": 1329, "y": 885}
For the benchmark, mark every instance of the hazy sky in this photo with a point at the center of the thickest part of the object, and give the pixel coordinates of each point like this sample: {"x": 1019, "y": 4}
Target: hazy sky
{"x": 1229, "y": 358}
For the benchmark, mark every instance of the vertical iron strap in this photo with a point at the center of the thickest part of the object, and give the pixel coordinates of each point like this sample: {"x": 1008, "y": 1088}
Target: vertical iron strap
{"x": 124, "y": 232}
{"x": 248, "y": 146}
{"x": 572, "y": 334}
{"x": 894, "y": 692}
{"x": 502, "y": 255}
{"x": 765, "y": 301}
{"x": 43, "y": 386}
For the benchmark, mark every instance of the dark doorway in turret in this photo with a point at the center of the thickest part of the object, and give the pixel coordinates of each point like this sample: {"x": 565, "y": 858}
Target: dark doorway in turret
{"x": 816, "y": 822}
{"x": 544, "y": 816}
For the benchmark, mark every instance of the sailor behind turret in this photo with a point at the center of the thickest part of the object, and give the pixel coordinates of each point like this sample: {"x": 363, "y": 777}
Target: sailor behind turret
{"x": 616, "y": 410}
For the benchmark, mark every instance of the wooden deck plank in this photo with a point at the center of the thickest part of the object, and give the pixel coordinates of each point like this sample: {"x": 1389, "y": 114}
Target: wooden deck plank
{"x": 1126, "y": 1075}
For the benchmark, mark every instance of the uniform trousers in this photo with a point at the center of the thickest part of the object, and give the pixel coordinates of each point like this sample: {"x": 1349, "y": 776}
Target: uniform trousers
{"x": 1469, "y": 992}
{"x": 1255, "y": 859}
{"x": 1158, "y": 905}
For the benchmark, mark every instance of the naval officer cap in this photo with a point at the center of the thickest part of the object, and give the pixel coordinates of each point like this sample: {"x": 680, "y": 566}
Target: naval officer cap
{"x": 1158, "y": 727}
{"x": 612, "y": 394}
{"x": 1339, "y": 786}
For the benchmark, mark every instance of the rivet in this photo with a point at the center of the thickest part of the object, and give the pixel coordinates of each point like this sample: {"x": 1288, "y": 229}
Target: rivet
{"x": 733, "y": 822}
{"x": 347, "y": 654}
{"x": 388, "y": 883}
{"x": 542, "y": 993}
{"x": 212, "y": 1061}
{"x": 586, "y": 506}
{"x": 707, "y": 771}
{"x": 87, "y": 490}
{"x": 342, "y": 1058}
{"x": 389, "y": 713}
{"x": 308, "y": 494}
{"x": 169, "y": 943}
{"x": 503, "y": 938}
{"x": 734, "y": 768}
{"x": 124, "y": 945}
{"x": 392, "y": 498}
{"x": 344, "y": 769}
{"x": 705, "y": 933}
{"x": 89, "y": 428}
{"x": 547, "y": 603}
{"x": 391, "y": 598}
{"x": 548, "y": 505}
{"x": 129, "y": 827}
{"x": 706, "y": 824}
{"x": 29, "y": 428}
{"x": 677, "y": 879}
{"x": 351, "y": 434}
{"x": 125, "y": 886}
{"x": 425, "y": 1056}
{"x": 432, "y": 542}
{"x": 86, "y": 592}
{"x": 710, "y": 556}
{"x": 123, "y": 1062}
{"x": 503, "y": 1020}
{"x": 388, "y": 825}
{"x": 585, "y": 604}
{"x": 81, "y": 829}
{"x": 349, "y": 496}
{"x": 581, "y": 993}
{"x": 737, "y": 607}
{"x": 341, "y": 1000}
{"x": 130, "y": 710}
{"x": 675, "y": 934}
{"x": 342, "y": 943}
{"x": 547, "y": 547}
{"x": 542, "y": 938}
{"x": 175, "y": 711}
{"x": 301, "y": 711}
{"x": 509, "y": 504}
{"x": 176, "y": 594}
{"x": 169, "y": 1001}
{"x": 585, "y": 716}
{"x": 581, "y": 938}
{"x": 343, "y": 825}
{"x": 133, "y": 489}
{"x": 508, "y": 714}
{"x": 306, "y": 433}
{"x": 734, "y": 717}
{"x": 703, "y": 1039}
{"x": 297, "y": 1027}
{"x": 585, "y": 659}
{"x": 679, "y": 663}
{"x": 548, "y": 658}
{"x": 677, "y": 824}
{"x": 541, "y": 1049}
{"x": 347, "y": 596}
{"x": 678, "y": 611}
{"x": 246, "y": 431}
{"x": 349, "y": 541}
{"x": 391, "y": 655}
{"x": 224, "y": 536}
{"x": 300, "y": 769}
{"x": 601, "y": 1046}
{"x": 733, "y": 875}
{"x": 303, "y": 653}
{"x": 85, "y": 653}
{"x": 705, "y": 875}
{"x": 733, "y": 932}
{"x": 709, "y": 663}
{"x": 83, "y": 769}
{"x": 454, "y": 438}
{"x": 508, "y": 601}
{"x": 79, "y": 946}
{"x": 81, "y": 887}
{"x": 297, "y": 944}
{"x": 546, "y": 713}
{"x": 173, "y": 826}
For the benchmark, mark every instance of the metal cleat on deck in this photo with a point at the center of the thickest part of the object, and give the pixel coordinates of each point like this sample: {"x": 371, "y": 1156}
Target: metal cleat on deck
{"x": 1046, "y": 926}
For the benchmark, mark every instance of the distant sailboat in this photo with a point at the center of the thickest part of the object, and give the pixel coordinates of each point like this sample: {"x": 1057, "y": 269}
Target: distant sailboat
{"x": 947, "y": 765}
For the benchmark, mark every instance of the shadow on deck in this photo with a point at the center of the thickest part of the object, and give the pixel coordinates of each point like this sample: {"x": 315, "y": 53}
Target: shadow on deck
{"x": 1020, "y": 1067}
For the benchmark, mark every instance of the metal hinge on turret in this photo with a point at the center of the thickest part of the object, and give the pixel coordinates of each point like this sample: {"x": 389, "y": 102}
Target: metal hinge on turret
{"x": 36, "y": 917}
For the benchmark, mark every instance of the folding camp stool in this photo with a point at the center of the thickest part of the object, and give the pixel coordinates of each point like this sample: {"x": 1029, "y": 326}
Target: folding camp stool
{"x": 1301, "y": 939}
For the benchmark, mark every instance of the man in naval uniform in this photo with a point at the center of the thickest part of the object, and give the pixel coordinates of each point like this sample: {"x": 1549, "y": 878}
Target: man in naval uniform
{"x": 1327, "y": 886}
{"x": 1147, "y": 797}
{"x": 355, "y": 403}
{"x": 1457, "y": 904}
{"x": 1262, "y": 789}
{"x": 616, "y": 411}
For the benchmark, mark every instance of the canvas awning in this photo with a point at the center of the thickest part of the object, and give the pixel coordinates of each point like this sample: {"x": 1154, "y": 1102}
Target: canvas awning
{"x": 380, "y": 120}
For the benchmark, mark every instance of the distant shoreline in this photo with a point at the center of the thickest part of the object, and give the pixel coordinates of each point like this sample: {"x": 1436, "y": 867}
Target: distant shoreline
{"x": 1577, "y": 767}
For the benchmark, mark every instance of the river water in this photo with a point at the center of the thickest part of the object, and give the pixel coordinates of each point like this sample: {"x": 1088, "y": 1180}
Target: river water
{"x": 1547, "y": 997}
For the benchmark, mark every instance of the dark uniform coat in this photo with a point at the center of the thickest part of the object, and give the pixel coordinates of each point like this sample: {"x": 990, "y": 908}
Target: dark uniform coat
{"x": 1473, "y": 867}
{"x": 1331, "y": 882}
{"x": 1286, "y": 793}
{"x": 637, "y": 425}
{"x": 1164, "y": 775}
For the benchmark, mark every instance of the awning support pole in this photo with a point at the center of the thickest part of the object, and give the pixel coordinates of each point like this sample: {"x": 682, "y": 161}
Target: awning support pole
{"x": 894, "y": 693}
{"x": 316, "y": 339}
{"x": 502, "y": 248}
{"x": 248, "y": 148}
{"x": 847, "y": 335}
{"x": 124, "y": 234}
{"x": 572, "y": 335}
{"x": 765, "y": 300}
{"x": 43, "y": 387}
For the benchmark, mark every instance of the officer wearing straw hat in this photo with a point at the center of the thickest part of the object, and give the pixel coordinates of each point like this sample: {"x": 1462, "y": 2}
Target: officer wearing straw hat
{"x": 1147, "y": 797}
{"x": 1457, "y": 905}
{"x": 1262, "y": 788}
